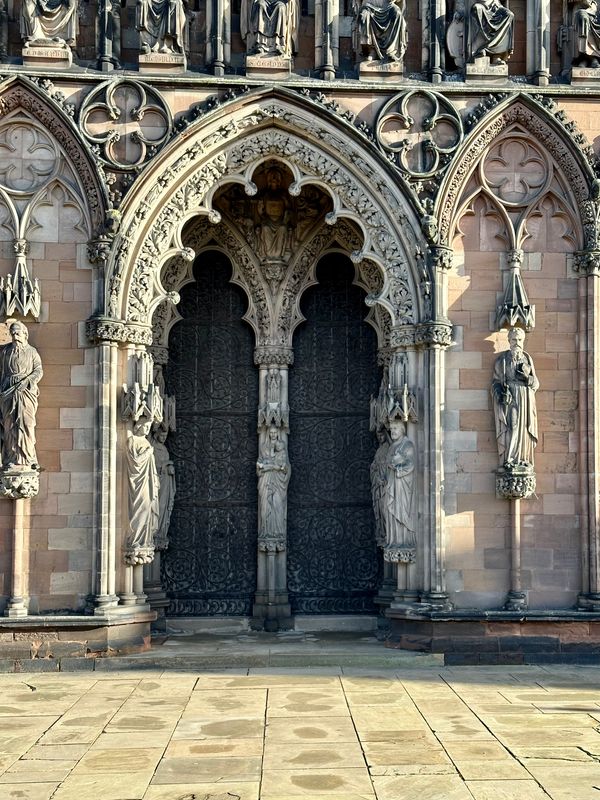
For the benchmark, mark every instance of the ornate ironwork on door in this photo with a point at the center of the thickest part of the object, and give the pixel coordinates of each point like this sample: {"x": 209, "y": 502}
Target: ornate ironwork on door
{"x": 210, "y": 566}
{"x": 333, "y": 564}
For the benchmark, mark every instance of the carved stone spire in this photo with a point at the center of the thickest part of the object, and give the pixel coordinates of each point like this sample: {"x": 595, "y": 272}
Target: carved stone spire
{"x": 515, "y": 309}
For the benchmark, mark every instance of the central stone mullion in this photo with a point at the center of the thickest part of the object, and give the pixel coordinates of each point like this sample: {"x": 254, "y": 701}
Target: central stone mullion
{"x": 271, "y": 609}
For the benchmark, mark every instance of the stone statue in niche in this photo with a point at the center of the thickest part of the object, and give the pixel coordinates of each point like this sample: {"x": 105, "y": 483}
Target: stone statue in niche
{"x": 399, "y": 497}
{"x": 144, "y": 511}
{"x": 20, "y": 373}
{"x": 274, "y": 230}
{"x": 49, "y": 22}
{"x": 513, "y": 391}
{"x": 273, "y": 470}
{"x": 166, "y": 494}
{"x": 380, "y": 29}
{"x": 455, "y": 35}
{"x": 579, "y": 38}
{"x": 378, "y": 485}
{"x": 270, "y": 27}
{"x": 163, "y": 26}
{"x": 490, "y": 31}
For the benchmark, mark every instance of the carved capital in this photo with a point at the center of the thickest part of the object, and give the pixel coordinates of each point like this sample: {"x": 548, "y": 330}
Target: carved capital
{"x": 400, "y": 555}
{"x": 105, "y": 329}
{"x": 440, "y": 257}
{"x": 271, "y": 545}
{"x": 434, "y": 334}
{"x": 515, "y": 481}
{"x": 403, "y": 336}
{"x": 281, "y": 356}
{"x": 134, "y": 556}
{"x": 98, "y": 250}
{"x": 18, "y": 484}
{"x": 160, "y": 354}
{"x": 586, "y": 262}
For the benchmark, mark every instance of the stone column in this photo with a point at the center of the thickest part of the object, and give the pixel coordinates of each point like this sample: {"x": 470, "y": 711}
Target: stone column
{"x": 109, "y": 35}
{"x": 327, "y": 37}
{"x": 436, "y": 30}
{"x": 435, "y": 336}
{"x": 538, "y": 41}
{"x": 587, "y": 265}
{"x": 271, "y": 609}
{"x": 218, "y": 29}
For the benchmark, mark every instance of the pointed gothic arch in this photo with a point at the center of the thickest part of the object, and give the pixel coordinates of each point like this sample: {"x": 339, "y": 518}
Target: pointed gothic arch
{"x": 227, "y": 147}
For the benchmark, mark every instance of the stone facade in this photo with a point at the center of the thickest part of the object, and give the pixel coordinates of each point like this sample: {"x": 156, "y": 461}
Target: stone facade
{"x": 454, "y": 177}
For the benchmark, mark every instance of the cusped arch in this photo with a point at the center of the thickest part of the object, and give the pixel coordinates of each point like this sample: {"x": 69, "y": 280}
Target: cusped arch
{"x": 546, "y": 131}
{"x": 228, "y": 146}
{"x": 18, "y": 93}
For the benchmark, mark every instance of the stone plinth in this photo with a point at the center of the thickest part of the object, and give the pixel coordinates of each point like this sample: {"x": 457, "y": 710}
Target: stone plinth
{"x": 499, "y": 637}
{"x": 56, "y": 56}
{"x": 380, "y": 70}
{"x": 585, "y": 76}
{"x": 46, "y": 640}
{"x": 482, "y": 71}
{"x": 162, "y": 63}
{"x": 268, "y": 67}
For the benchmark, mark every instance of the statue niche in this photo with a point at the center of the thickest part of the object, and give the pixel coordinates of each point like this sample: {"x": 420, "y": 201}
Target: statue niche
{"x": 480, "y": 33}
{"x": 163, "y": 26}
{"x": 49, "y": 30}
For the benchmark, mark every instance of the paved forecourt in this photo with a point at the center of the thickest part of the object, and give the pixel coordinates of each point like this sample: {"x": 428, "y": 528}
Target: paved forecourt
{"x": 462, "y": 733}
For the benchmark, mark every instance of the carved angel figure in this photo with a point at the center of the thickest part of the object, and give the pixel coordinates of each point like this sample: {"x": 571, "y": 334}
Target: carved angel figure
{"x": 398, "y": 510}
{"x": 163, "y": 26}
{"x": 491, "y": 29}
{"x": 143, "y": 495}
{"x": 270, "y": 26}
{"x": 513, "y": 392}
{"x": 380, "y": 29}
{"x": 49, "y": 22}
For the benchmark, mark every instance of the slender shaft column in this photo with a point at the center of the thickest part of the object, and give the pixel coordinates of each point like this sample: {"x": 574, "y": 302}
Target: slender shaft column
{"x": 435, "y": 336}
{"x": 17, "y": 605}
{"x": 104, "y": 561}
{"x": 538, "y": 41}
{"x": 109, "y": 34}
{"x": 517, "y": 598}
{"x": 587, "y": 263}
{"x": 327, "y": 37}
{"x": 437, "y": 31}
{"x": 218, "y": 27}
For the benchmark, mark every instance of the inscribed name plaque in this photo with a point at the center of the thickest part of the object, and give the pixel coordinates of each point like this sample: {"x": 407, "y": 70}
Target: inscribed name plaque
{"x": 482, "y": 71}
{"x": 380, "y": 70}
{"x": 586, "y": 76}
{"x": 170, "y": 63}
{"x": 268, "y": 66}
{"x": 48, "y": 57}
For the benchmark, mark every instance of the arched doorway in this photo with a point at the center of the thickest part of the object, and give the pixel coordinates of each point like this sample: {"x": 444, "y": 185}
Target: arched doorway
{"x": 333, "y": 563}
{"x": 210, "y": 566}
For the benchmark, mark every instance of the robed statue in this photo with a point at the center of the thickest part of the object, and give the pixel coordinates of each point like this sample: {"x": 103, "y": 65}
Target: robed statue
{"x": 166, "y": 494}
{"x": 399, "y": 498}
{"x": 273, "y": 470}
{"x": 274, "y": 225}
{"x": 380, "y": 29}
{"x": 20, "y": 373}
{"x": 143, "y": 495}
{"x": 270, "y": 27}
{"x": 378, "y": 484}
{"x": 491, "y": 31}
{"x": 163, "y": 26}
{"x": 513, "y": 392}
{"x": 585, "y": 34}
{"x": 49, "y": 22}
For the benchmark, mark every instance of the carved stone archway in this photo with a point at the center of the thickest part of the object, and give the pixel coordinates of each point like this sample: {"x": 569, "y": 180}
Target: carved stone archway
{"x": 365, "y": 196}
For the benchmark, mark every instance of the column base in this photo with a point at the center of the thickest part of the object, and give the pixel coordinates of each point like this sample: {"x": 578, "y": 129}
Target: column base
{"x": 17, "y": 607}
{"x": 274, "y": 616}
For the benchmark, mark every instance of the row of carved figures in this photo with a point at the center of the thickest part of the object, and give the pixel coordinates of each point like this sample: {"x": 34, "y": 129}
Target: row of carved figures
{"x": 479, "y": 28}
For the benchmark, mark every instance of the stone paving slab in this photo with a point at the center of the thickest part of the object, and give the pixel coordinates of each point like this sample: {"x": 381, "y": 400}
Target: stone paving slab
{"x": 344, "y": 733}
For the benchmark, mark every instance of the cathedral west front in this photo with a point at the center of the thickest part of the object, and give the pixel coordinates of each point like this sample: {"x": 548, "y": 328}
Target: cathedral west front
{"x": 301, "y": 304}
